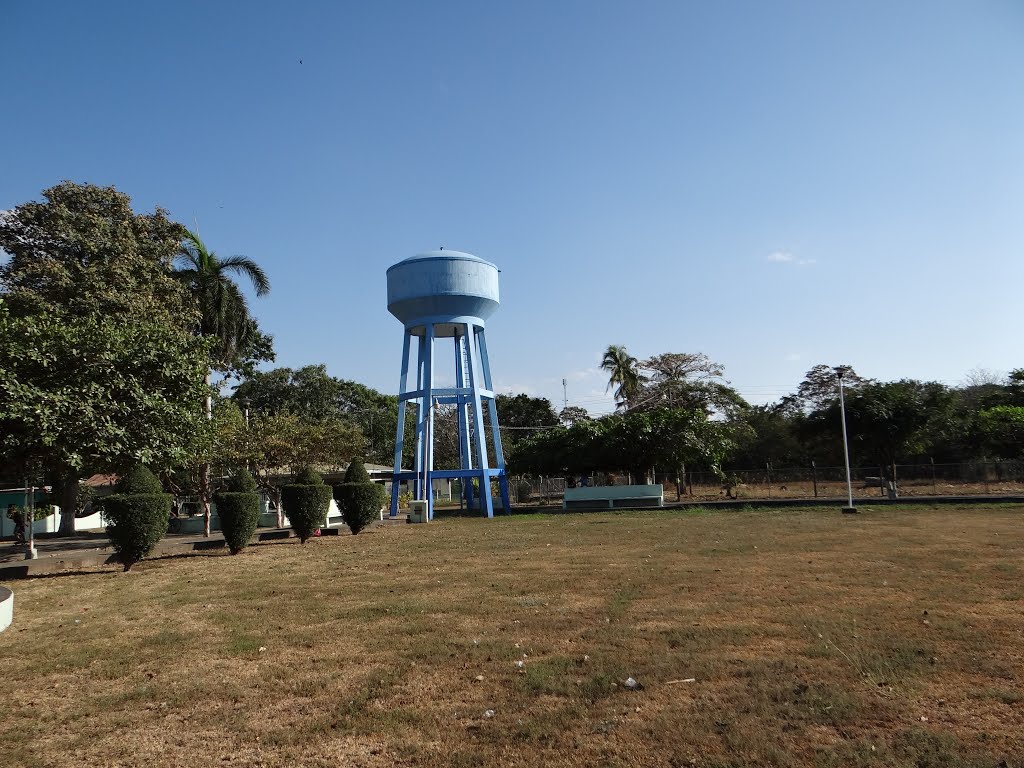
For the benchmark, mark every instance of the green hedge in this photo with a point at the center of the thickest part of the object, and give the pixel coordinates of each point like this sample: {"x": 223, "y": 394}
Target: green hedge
{"x": 137, "y": 521}
{"x": 239, "y": 515}
{"x": 359, "y": 499}
{"x": 306, "y": 504}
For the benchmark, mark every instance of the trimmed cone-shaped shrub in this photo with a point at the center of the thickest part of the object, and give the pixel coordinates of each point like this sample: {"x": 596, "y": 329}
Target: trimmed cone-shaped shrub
{"x": 359, "y": 499}
{"x": 138, "y": 515}
{"x": 356, "y": 472}
{"x": 139, "y": 479}
{"x": 239, "y": 510}
{"x": 241, "y": 481}
{"x": 306, "y": 502}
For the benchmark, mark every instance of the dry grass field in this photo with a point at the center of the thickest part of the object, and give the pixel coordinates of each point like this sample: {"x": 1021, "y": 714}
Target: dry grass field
{"x": 891, "y": 638}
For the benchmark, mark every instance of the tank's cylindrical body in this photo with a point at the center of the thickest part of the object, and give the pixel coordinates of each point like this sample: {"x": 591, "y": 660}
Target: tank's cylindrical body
{"x": 442, "y": 287}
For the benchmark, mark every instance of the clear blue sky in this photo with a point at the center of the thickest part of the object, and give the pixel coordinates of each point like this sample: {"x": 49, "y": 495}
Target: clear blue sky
{"x": 774, "y": 184}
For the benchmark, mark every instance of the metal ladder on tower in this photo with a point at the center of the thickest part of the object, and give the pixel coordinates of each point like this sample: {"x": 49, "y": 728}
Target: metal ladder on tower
{"x": 468, "y": 409}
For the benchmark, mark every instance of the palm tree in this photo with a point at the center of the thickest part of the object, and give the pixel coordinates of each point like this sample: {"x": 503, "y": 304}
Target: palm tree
{"x": 623, "y": 374}
{"x": 223, "y": 315}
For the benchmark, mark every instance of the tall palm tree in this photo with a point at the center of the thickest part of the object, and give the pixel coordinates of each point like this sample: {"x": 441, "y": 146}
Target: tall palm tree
{"x": 223, "y": 315}
{"x": 623, "y": 374}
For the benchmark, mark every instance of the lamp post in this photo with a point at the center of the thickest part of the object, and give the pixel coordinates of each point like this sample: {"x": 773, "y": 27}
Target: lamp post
{"x": 30, "y": 512}
{"x": 849, "y": 509}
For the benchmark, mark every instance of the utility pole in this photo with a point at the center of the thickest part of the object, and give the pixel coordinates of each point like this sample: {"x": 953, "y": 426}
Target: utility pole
{"x": 565, "y": 395}
{"x": 849, "y": 508}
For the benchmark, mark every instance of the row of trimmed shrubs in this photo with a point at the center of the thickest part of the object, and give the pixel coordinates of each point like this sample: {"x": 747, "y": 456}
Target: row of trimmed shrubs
{"x": 139, "y": 511}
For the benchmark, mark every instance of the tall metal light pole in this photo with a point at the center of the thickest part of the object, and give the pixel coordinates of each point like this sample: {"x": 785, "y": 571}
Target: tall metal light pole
{"x": 850, "y": 509}
{"x": 30, "y": 512}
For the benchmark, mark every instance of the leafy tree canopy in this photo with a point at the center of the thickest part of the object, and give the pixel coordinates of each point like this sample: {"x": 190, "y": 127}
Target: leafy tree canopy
{"x": 311, "y": 394}
{"x": 687, "y": 380}
{"x": 573, "y": 414}
{"x": 820, "y": 387}
{"x": 634, "y": 441}
{"x": 86, "y": 394}
{"x": 276, "y": 444}
{"x": 1002, "y": 431}
{"x": 100, "y": 364}
{"x": 891, "y": 420}
{"x": 84, "y": 252}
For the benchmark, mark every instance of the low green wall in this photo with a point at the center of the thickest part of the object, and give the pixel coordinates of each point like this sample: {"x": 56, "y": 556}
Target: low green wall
{"x": 610, "y": 496}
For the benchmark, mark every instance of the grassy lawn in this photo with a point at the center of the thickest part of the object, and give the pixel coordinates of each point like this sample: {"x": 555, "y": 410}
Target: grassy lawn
{"x": 891, "y": 638}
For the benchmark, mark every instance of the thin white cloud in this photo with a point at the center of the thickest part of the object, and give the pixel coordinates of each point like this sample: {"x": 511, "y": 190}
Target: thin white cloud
{"x": 793, "y": 357}
{"x": 785, "y": 257}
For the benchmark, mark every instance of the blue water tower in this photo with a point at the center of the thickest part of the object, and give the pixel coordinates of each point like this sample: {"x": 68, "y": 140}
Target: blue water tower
{"x": 447, "y": 295}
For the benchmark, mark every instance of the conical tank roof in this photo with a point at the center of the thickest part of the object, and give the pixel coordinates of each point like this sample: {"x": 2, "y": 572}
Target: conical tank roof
{"x": 442, "y": 287}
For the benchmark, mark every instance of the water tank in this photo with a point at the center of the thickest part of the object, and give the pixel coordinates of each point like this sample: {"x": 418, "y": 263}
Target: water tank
{"x": 442, "y": 287}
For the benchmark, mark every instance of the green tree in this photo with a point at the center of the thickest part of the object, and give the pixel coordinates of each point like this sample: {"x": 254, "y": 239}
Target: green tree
{"x": 311, "y": 393}
{"x": 224, "y": 318}
{"x": 636, "y": 441}
{"x": 84, "y": 252}
{"x": 773, "y": 436}
{"x": 82, "y": 395}
{"x": 223, "y": 310}
{"x": 820, "y": 387}
{"x": 687, "y": 436}
{"x": 376, "y": 415}
{"x": 893, "y": 420}
{"x": 307, "y": 392}
{"x": 275, "y": 445}
{"x": 578, "y": 449}
{"x": 518, "y": 416}
{"x": 573, "y": 414}
{"x": 96, "y": 341}
{"x": 1002, "y": 431}
{"x": 688, "y": 380}
{"x": 623, "y": 374}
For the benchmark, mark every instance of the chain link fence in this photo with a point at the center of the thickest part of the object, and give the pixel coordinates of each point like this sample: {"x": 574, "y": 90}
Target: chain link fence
{"x": 961, "y": 479}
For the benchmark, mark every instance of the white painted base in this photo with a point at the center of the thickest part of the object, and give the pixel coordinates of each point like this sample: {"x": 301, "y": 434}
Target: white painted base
{"x": 6, "y": 608}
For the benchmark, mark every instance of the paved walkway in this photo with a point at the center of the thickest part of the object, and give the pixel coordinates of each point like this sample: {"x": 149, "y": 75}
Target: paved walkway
{"x": 92, "y": 549}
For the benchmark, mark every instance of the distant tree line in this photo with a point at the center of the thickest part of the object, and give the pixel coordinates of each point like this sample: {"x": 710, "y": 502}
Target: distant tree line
{"x": 675, "y": 410}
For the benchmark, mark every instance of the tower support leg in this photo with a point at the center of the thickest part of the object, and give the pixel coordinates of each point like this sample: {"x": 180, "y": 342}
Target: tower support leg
{"x": 486, "y": 503}
{"x": 400, "y": 433}
{"x": 499, "y": 454}
{"x": 428, "y": 404}
{"x": 462, "y": 401}
{"x": 421, "y": 424}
